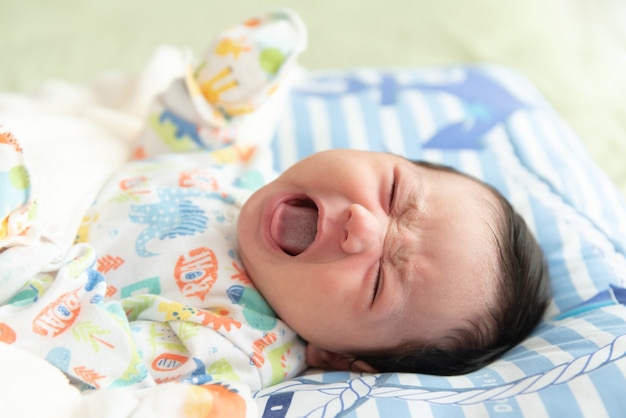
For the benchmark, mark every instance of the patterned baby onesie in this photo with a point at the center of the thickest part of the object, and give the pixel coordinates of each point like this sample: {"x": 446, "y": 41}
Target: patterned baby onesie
{"x": 165, "y": 232}
{"x": 164, "y": 227}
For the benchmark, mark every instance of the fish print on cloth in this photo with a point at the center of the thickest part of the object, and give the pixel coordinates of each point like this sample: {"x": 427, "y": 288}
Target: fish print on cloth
{"x": 173, "y": 215}
{"x": 196, "y": 272}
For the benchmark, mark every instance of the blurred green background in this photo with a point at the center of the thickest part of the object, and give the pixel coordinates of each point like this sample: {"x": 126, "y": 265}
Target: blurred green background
{"x": 573, "y": 50}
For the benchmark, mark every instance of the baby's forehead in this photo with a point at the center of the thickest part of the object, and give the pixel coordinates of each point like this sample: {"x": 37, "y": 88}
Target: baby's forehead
{"x": 468, "y": 212}
{"x": 484, "y": 193}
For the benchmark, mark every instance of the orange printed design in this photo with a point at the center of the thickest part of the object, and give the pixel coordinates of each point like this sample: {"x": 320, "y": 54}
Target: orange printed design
{"x": 279, "y": 362}
{"x": 218, "y": 320}
{"x": 199, "y": 178}
{"x": 139, "y": 153}
{"x": 9, "y": 139}
{"x": 108, "y": 263}
{"x": 240, "y": 274}
{"x": 111, "y": 290}
{"x": 215, "y": 401}
{"x": 253, "y": 22}
{"x": 256, "y": 358}
{"x": 131, "y": 188}
{"x": 223, "y": 135}
{"x": 284, "y": 362}
{"x": 161, "y": 380}
{"x": 58, "y": 316}
{"x": 7, "y": 335}
{"x": 88, "y": 376}
{"x": 175, "y": 311}
{"x": 196, "y": 273}
{"x": 168, "y": 362}
{"x": 132, "y": 183}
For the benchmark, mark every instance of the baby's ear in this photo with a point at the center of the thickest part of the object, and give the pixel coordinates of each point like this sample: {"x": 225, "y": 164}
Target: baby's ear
{"x": 329, "y": 360}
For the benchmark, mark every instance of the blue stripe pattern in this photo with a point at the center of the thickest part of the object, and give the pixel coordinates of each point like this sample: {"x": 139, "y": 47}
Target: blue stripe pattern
{"x": 532, "y": 157}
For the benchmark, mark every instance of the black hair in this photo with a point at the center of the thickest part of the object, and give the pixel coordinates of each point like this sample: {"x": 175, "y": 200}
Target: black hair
{"x": 523, "y": 294}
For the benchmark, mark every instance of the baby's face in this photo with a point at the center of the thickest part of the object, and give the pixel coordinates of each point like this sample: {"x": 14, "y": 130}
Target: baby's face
{"x": 361, "y": 251}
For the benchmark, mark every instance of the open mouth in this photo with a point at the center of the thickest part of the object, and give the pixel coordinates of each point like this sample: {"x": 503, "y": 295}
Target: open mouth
{"x": 294, "y": 225}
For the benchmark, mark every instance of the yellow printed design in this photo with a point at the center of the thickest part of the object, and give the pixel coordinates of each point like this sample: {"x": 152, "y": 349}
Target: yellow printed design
{"x": 234, "y": 154}
{"x": 213, "y": 101}
{"x": 220, "y": 83}
{"x": 233, "y": 47}
{"x": 82, "y": 235}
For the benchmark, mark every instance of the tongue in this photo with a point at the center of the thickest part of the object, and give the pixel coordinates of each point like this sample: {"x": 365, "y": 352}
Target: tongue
{"x": 295, "y": 227}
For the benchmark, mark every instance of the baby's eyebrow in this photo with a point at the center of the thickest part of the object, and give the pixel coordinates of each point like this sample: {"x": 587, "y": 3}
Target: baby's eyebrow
{"x": 412, "y": 206}
{"x": 403, "y": 251}
{"x": 411, "y": 215}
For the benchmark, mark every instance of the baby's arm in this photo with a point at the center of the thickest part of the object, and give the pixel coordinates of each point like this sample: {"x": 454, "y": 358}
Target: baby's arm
{"x": 232, "y": 94}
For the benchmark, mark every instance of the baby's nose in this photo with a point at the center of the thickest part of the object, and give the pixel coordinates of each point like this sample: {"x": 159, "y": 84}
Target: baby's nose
{"x": 363, "y": 231}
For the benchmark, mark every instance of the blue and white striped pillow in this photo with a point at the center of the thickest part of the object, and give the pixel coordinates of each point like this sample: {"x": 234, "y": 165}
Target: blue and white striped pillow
{"x": 492, "y": 123}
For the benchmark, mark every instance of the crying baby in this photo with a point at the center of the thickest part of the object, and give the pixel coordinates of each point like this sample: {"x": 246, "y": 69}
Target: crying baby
{"x": 383, "y": 264}
{"x": 348, "y": 260}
